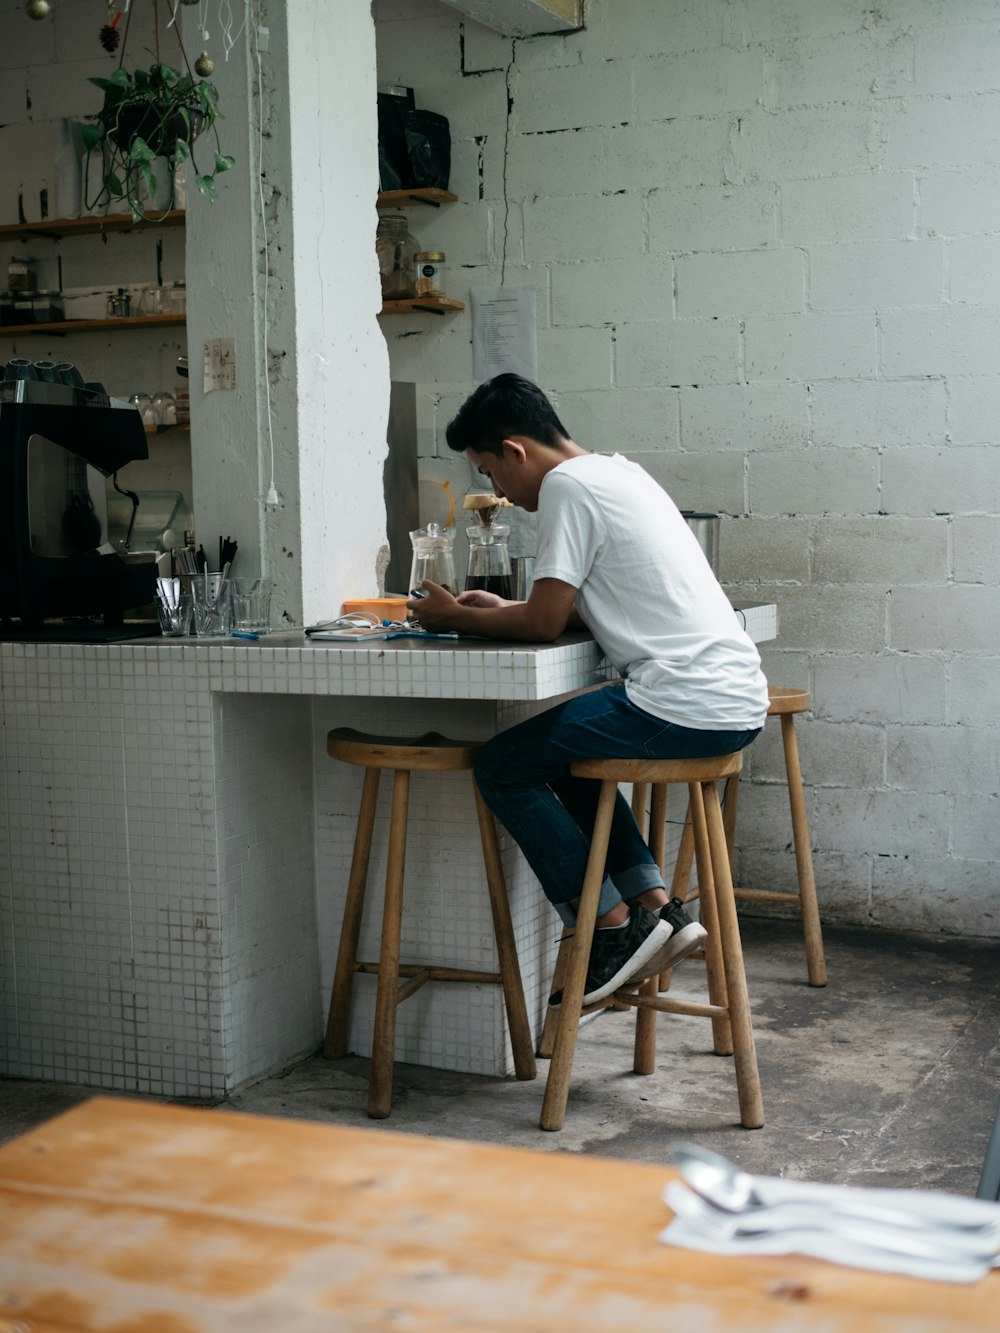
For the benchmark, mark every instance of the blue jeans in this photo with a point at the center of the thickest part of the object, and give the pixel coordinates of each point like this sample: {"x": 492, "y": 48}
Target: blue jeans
{"x": 524, "y": 778}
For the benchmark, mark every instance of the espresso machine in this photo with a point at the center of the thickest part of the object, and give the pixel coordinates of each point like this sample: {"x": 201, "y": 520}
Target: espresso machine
{"x": 59, "y": 441}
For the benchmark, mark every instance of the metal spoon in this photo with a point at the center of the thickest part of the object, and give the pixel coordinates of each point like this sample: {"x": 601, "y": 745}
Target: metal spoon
{"x": 727, "y": 1187}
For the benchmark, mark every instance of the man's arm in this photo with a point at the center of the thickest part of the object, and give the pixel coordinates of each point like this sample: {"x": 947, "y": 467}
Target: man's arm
{"x": 542, "y": 618}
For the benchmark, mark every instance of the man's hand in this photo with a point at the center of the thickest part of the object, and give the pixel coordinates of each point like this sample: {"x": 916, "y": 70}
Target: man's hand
{"x": 436, "y": 610}
{"x": 542, "y": 618}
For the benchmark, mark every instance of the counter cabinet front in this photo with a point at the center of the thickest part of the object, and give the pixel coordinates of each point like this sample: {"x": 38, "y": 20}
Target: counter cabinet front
{"x": 178, "y": 844}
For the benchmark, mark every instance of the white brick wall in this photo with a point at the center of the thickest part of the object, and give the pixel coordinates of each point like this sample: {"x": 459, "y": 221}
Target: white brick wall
{"x": 783, "y": 214}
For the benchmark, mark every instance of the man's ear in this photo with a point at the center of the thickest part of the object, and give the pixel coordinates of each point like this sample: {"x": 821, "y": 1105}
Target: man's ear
{"x": 516, "y": 448}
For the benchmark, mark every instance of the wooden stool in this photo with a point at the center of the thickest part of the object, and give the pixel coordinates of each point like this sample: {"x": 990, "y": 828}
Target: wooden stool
{"x": 785, "y": 703}
{"x": 425, "y": 754}
{"x": 728, "y": 1007}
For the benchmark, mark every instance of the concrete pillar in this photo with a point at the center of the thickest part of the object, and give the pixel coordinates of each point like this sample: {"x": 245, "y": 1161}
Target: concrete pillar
{"x": 312, "y": 390}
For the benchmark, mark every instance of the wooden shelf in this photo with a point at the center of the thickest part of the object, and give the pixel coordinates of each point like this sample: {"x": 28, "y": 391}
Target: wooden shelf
{"x": 64, "y": 326}
{"x": 58, "y": 227}
{"x": 432, "y": 305}
{"x": 426, "y": 194}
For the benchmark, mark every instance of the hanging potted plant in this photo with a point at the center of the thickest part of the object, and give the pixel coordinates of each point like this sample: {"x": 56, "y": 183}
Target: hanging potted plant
{"x": 150, "y": 117}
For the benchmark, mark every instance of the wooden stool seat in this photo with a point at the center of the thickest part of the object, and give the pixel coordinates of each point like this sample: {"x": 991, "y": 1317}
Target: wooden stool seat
{"x": 787, "y": 699}
{"x": 728, "y": 1006}
{"x": 430, "y": 753}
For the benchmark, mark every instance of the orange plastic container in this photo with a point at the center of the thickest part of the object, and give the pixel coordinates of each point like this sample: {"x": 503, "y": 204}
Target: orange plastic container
{"x": 384, "y": 608}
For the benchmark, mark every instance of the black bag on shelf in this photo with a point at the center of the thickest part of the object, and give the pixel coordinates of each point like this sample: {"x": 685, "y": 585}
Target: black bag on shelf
{"x": 393, "y": 164}
{"x": 428, "y": 148}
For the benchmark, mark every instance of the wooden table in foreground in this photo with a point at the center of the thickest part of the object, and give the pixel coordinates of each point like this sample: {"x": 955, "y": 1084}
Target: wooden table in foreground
{"x": 132, "y": 1217}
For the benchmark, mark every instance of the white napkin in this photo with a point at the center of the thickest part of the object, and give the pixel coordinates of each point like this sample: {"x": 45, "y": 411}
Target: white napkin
{"x": 822, "y": 1221}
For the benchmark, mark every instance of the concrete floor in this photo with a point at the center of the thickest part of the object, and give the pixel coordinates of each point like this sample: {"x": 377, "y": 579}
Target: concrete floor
{"x": 889, "y": 1076}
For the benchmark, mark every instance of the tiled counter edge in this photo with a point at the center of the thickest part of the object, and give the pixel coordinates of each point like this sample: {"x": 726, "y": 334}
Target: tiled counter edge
{"x": 172, "y": 829}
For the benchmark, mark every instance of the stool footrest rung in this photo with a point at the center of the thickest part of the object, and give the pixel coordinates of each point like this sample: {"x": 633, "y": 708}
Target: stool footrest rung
{"x": 664, "y": 1005}
{"x": 433, "y": 973}
{"x": 767, "y": 896}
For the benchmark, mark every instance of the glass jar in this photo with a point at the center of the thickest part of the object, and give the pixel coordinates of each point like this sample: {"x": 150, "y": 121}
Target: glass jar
{"x": 433, "y": 557}
{"x": 489, "y": 559}
{"x": 21, "y": 275}
{"x": 429, "y": 272}
{"x": 395, "y": 248}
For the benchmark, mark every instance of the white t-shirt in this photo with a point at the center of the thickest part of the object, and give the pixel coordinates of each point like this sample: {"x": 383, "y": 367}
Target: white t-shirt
{"x": 648, "y": 595}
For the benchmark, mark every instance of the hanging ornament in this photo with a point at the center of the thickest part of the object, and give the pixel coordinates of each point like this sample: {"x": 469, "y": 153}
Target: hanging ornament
{"x": 109, "y": 37}
{"x": 37, "y": 9}
{"x": 204, "y": 65}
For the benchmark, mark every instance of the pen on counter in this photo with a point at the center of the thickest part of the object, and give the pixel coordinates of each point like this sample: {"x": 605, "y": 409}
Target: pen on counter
{"x": 245, "y": 634}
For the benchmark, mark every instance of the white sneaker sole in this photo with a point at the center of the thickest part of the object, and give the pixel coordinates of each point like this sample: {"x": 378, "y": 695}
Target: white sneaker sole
{"x": 680, "y": 944}
{"x": 654, "y": 943}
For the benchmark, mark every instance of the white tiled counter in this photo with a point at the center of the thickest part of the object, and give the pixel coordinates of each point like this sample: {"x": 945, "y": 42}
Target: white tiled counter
{"x": 176, "y": 845}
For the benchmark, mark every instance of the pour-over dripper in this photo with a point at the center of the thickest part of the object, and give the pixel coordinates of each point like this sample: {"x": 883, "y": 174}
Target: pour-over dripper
{"x": 485, "y": 505}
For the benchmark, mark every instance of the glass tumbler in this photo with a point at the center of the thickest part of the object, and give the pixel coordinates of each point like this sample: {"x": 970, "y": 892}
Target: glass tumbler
{"x": 251, "y": 605}
{"x": 213, "y": 606}
{"x": 173, "y": 609}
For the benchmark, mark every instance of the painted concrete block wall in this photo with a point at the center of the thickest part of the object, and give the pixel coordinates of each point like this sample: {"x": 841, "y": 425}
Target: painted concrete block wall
{"x": 765, "y": 244}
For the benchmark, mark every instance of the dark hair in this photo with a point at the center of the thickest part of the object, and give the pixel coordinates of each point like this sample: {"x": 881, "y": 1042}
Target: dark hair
{"x": 505, "y": 405}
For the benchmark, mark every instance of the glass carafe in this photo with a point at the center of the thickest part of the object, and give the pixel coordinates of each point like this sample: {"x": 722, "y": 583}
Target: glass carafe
{"x": 433, "y": 557}
{"x": 489, "y": 559}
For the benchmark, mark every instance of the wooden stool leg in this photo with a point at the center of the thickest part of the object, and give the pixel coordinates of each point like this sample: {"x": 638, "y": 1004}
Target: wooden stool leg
{"x": 335, "y": 1041}
{"x": 644, "y": 1051}
{"x": 640, "y": 791}
{"x": 552, "y": 1015}
{"x": 561, "y": 1066}
{"x": 730, "y": 800}
{"x": 503, "y": 929}
{"x": 384, "y": 1036}
{"x": 680, "y": 885}
{"x": 745, "y": 1056}
{"x": 815, "y": 959}
{"x": 714, "y": 945}
{"x": 657, "y": 839}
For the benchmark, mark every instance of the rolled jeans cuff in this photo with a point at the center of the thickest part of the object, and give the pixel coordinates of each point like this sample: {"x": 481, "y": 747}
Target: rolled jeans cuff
{"x": 627, "y": 884}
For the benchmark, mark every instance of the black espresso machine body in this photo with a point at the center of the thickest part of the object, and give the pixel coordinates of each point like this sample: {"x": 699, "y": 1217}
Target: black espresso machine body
{"x": 58, "y": 444}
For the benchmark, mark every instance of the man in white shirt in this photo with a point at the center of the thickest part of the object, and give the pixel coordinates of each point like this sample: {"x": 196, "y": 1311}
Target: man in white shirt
{"x": 614, "y": 555}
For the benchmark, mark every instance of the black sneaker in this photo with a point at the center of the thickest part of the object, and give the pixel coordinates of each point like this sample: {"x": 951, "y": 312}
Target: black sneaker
{"x": 686, "y": 934}
{"x": 617, "y": 956}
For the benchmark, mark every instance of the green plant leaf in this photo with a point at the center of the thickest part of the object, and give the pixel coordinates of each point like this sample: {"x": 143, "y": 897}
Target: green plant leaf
{"x": 224, "y": 162}
{"x": 206, "y": 186}
{"x": 181, "y": 151}
{"x": 91, "y": 136}
{"x": 120, "y": 78}
{"x": 113, "y": 185}
{"x": 140, "y": 152}
{"x": 149, "y": 177}
{"x": 104, "y": 84}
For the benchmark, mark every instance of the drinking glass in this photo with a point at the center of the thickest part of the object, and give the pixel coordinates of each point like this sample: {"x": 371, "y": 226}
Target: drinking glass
{"x": 213, "y": 607}
{"x": 251, "y": 605}
{"x": 174, "y": 614}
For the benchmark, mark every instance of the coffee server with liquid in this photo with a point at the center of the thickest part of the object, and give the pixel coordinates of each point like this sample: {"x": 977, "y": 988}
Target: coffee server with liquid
{"x": 489, "y": 554}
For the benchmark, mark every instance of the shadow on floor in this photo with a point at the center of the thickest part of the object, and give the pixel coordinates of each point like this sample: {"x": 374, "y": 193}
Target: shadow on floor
{"x": 890, "y": 1075}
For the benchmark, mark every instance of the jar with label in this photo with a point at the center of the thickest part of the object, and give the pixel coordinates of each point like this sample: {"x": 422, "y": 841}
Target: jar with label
{"x": 429, "y": 270}
{"x": 21, "y": 275}
{"x": 6, "y": 307}
{"x": 396, "y": 249}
